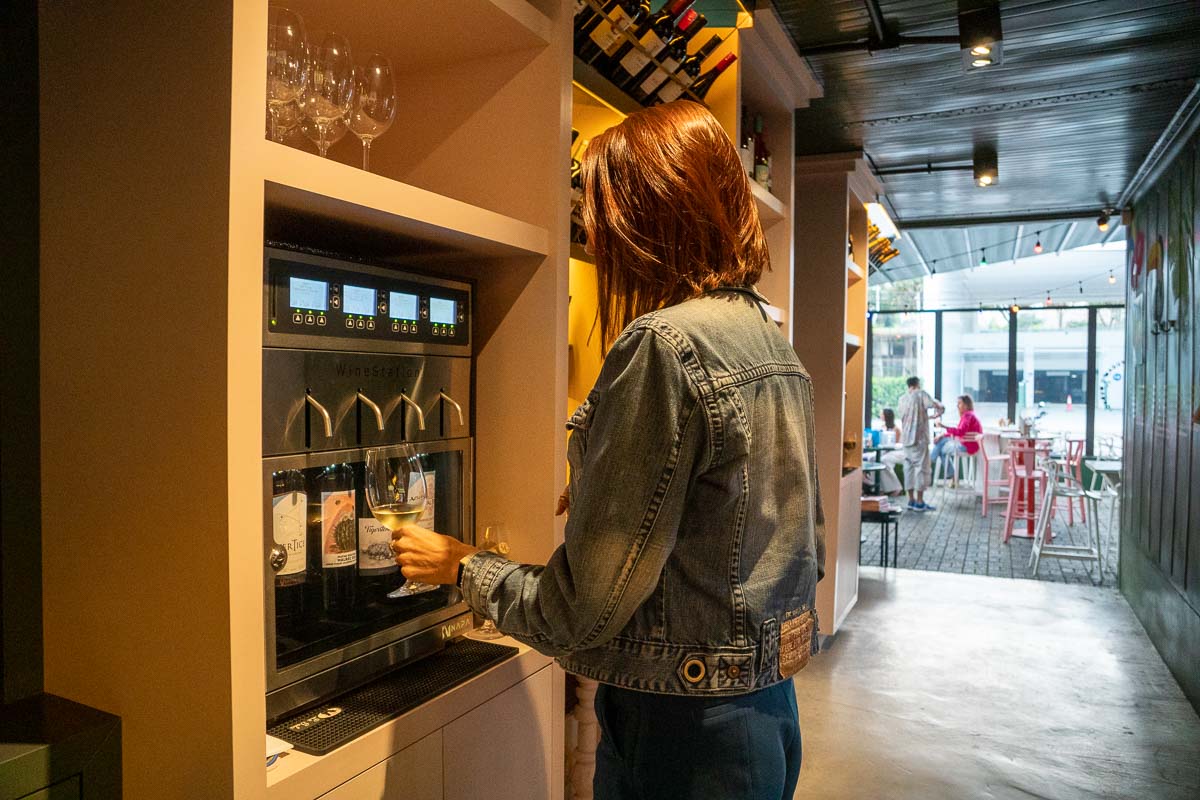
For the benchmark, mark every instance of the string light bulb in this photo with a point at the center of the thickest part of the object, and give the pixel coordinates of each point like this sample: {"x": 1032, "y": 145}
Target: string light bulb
{"x": 1102, "y": 221}
{"x": 1112, "y": 279}
{"x": 1037, "y": 246}
{"x": 1049, "y": 301}
{"x": 1081, "y": 287}
{"x": 1014, "y": 308}
{"x": 983, "y": 257}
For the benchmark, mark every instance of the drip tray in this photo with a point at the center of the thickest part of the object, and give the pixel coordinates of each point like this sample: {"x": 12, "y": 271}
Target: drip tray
{"x": 327, "y": 727}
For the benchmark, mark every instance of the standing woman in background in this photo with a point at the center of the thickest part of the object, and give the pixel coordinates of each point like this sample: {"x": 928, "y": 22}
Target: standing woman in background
{"x": 686, "y": 581}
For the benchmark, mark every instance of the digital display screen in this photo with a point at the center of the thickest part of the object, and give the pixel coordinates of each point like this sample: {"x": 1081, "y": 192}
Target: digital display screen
{"x": 402, "y": 305}
{"x": 304, "y": 293}
{"x": 442, "y": 312}
{"x": 358, "y": 300}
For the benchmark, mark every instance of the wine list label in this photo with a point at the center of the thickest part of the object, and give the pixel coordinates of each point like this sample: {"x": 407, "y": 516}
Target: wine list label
{"x": 608, "y": 33}
{"x": 288, "y": 512}
{"x": 339, "y": 534}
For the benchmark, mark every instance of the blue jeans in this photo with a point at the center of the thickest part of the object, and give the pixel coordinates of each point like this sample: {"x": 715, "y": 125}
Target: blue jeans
{"x": 945, "y": 448}
{"x": 680, "y": 747}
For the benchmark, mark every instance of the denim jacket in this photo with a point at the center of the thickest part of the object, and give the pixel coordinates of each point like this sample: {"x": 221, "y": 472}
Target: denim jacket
{"x": 695, "y": 531}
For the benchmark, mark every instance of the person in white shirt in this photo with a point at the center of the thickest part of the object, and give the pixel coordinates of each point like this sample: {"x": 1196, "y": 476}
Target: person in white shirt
{"x": 914, "y": 424}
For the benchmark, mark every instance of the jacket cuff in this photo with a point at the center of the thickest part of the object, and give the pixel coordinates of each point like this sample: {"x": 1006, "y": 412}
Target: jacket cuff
{"x": 479, "y": 576}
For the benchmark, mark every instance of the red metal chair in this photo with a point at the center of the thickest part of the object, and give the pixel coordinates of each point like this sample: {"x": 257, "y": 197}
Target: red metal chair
{"x": 1026, "y": 484}
{"x": 1073, "y": 464}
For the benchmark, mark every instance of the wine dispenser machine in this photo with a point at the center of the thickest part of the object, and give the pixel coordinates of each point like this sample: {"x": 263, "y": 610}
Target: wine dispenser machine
{"x": 356, "y": 357}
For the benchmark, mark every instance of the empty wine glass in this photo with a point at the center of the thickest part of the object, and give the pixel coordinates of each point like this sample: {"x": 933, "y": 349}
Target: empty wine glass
{"x": 285, "y": 121}
{"x": 374, "y": 103}
{"x": 395, "y": 489}
{"x": 287, "y": 64}
{"x": 494, "y": 539}
{"x": 323, "y": 136}
{"x": 329, "y": 93}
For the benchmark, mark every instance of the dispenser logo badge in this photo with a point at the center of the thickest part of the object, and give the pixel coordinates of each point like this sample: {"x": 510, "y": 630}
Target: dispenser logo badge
{"x": 315, "y": 719}
{"x": 452, "y": 629}
{"x": 369, "y": 370}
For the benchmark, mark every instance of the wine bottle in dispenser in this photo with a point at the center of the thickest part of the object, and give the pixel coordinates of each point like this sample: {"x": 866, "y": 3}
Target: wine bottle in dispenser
{"x": 338, "y": 537}
{"x": 289, "y": 556}
{"x": 377, "y": 567}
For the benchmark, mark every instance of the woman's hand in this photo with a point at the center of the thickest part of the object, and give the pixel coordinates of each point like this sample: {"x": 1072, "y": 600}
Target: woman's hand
{"x": 428, "y": 557}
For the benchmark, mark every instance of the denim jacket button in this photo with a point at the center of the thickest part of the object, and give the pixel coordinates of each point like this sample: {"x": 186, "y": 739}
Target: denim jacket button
{"x": 693, "y": 670}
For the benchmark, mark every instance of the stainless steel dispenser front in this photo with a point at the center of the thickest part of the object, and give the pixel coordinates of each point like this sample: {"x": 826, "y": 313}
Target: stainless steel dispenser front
{"x": 354, "y": 357}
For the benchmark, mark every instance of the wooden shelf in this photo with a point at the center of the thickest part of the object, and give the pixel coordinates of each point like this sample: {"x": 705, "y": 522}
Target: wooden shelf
{"x": 854, "y": 273}
{"x": 770, "y": 207}
{"x": 853, "y": 343}
{"x": 481, "y": 29}
{"x": 300, "y": 182}
{"x": 603, "y": 89}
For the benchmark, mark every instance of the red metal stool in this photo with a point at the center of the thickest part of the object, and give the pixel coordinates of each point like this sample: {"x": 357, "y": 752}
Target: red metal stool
{"x": 1026, "y": 484}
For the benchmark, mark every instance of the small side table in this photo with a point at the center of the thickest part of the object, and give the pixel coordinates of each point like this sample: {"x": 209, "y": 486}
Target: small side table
{"x": 889, "y": 524}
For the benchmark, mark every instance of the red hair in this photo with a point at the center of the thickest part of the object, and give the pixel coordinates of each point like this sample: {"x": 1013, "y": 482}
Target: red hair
{"x": 668, "y": 212}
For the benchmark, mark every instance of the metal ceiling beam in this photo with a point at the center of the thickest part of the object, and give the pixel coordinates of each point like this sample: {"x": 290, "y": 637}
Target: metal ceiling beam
{"x": 1173, "y": 138}
{"x": 876, "y": 16}
{"x": 1017, "y": 242}
{"x": 997, "y": 219}
{"x": 920, "y": 256}
{"x": 1063, "y": 243}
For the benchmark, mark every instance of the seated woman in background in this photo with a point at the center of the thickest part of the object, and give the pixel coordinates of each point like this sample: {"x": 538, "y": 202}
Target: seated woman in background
{"x": 889, "y": 482}
{"x": 953, "y": 441}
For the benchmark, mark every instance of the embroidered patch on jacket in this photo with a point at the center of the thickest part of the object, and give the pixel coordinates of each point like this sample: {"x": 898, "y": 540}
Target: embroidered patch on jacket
{"x": 795, "y": 643}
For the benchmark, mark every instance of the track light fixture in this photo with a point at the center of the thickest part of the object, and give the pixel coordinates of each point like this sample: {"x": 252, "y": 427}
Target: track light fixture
{"x": 980, "y": 35}
{"x": 986, "y": 165}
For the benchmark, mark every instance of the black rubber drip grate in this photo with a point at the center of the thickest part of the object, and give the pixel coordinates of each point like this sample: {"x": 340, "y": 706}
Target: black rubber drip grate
{"x": 324, "y": 728}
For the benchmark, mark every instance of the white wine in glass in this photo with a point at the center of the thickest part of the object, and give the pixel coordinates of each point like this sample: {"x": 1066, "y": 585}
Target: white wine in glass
{"x": 396, "y": 495}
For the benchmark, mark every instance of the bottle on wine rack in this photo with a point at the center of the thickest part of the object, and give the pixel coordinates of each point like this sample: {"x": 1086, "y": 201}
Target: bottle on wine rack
{"x": 337, "y": 523}
{"x": 604, "y": 34}
{"x": 643, "y": 85}
{"x": 699, "y": 88}
{"x": 651, "y": 36}
{"x": 688, "y": 71}
{"x": 289, "y": 512}
{"x": 762, "y": 155}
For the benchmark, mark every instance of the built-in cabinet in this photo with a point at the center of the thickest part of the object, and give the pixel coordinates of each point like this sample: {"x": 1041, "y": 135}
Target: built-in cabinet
{"x": 830, "y": 311}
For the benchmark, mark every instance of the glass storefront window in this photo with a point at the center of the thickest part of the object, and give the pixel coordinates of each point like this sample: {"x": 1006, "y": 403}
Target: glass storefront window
{"x": 975, "y": 363}
{"x": 1052, "y": 349}
{"x": 1110, "y": 382}
{"x": 903, "y": 346}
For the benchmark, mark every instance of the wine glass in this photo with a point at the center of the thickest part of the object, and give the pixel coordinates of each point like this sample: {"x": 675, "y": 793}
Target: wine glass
{"x": 284, "y": 121}
{"x": 287, "y": 64}
{"x": 494, "y": 539}
{"x": 329, "y": 93}
{"x": 323, "y": 136}
{"x": 374, "y": 103}
{"x": 395, "y": 489}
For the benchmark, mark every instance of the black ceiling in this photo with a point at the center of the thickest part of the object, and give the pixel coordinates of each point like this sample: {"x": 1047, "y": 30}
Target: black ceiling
{"x": 1085, "y": 90}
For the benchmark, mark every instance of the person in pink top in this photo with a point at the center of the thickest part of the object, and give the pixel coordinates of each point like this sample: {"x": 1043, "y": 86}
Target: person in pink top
{"x": 952, "y": 441}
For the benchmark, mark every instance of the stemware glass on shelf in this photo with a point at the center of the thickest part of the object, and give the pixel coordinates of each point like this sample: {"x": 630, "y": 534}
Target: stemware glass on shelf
{"x": 323, "y": 136}
{"x": 329, "y": 94}
{"x": 396, "y": 495}
{"x": 494, "y": 539}
{"x": 287, "y": 67}
{"x": 374, "y": 103}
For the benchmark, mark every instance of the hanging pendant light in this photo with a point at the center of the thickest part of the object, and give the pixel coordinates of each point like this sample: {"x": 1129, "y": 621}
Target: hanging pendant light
{"x": 1037, "y": 246}
{"x": 1112, "y": 279}
{"x": 983, "y": 256}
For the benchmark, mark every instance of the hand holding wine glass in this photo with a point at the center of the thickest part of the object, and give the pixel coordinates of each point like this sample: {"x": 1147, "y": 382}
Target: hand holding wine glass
{"x": 396, "y": 494}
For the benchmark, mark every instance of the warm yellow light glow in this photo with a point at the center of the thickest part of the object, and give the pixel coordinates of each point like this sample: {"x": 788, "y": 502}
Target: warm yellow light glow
{"x": 981, "y": 50}
{"x": 1014, "y": 308}
{"x": 879, "y": 216}
{"x": 985, "y": 180}
{"x": 981, "y": 62}
{"x": 1102, "y": 225}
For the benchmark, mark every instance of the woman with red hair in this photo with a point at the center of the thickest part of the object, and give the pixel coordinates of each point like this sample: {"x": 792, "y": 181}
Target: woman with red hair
{"x": 686, "y": 581}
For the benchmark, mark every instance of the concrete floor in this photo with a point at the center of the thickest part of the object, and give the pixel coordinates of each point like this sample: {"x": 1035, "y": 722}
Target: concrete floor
{"x": 964, "y": 687}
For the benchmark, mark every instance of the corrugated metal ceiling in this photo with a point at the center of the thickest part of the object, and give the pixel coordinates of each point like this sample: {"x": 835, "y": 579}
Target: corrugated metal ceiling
{"x": 1085, "y": 90}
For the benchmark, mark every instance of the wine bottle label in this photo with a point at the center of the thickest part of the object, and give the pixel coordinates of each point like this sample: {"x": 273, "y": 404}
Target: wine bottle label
{"x": 670, "y": 91}
{"x": 659, "y": 75}
{"x": 339, "y": 535}
{"x": 608, "y": 33}
{"x": 580, "y": 5}
{"x": 636, "y": 60}
{"x": 427, "y": 519}
{"x": 375, "y": 556}
{"x": 288, "y": 511}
